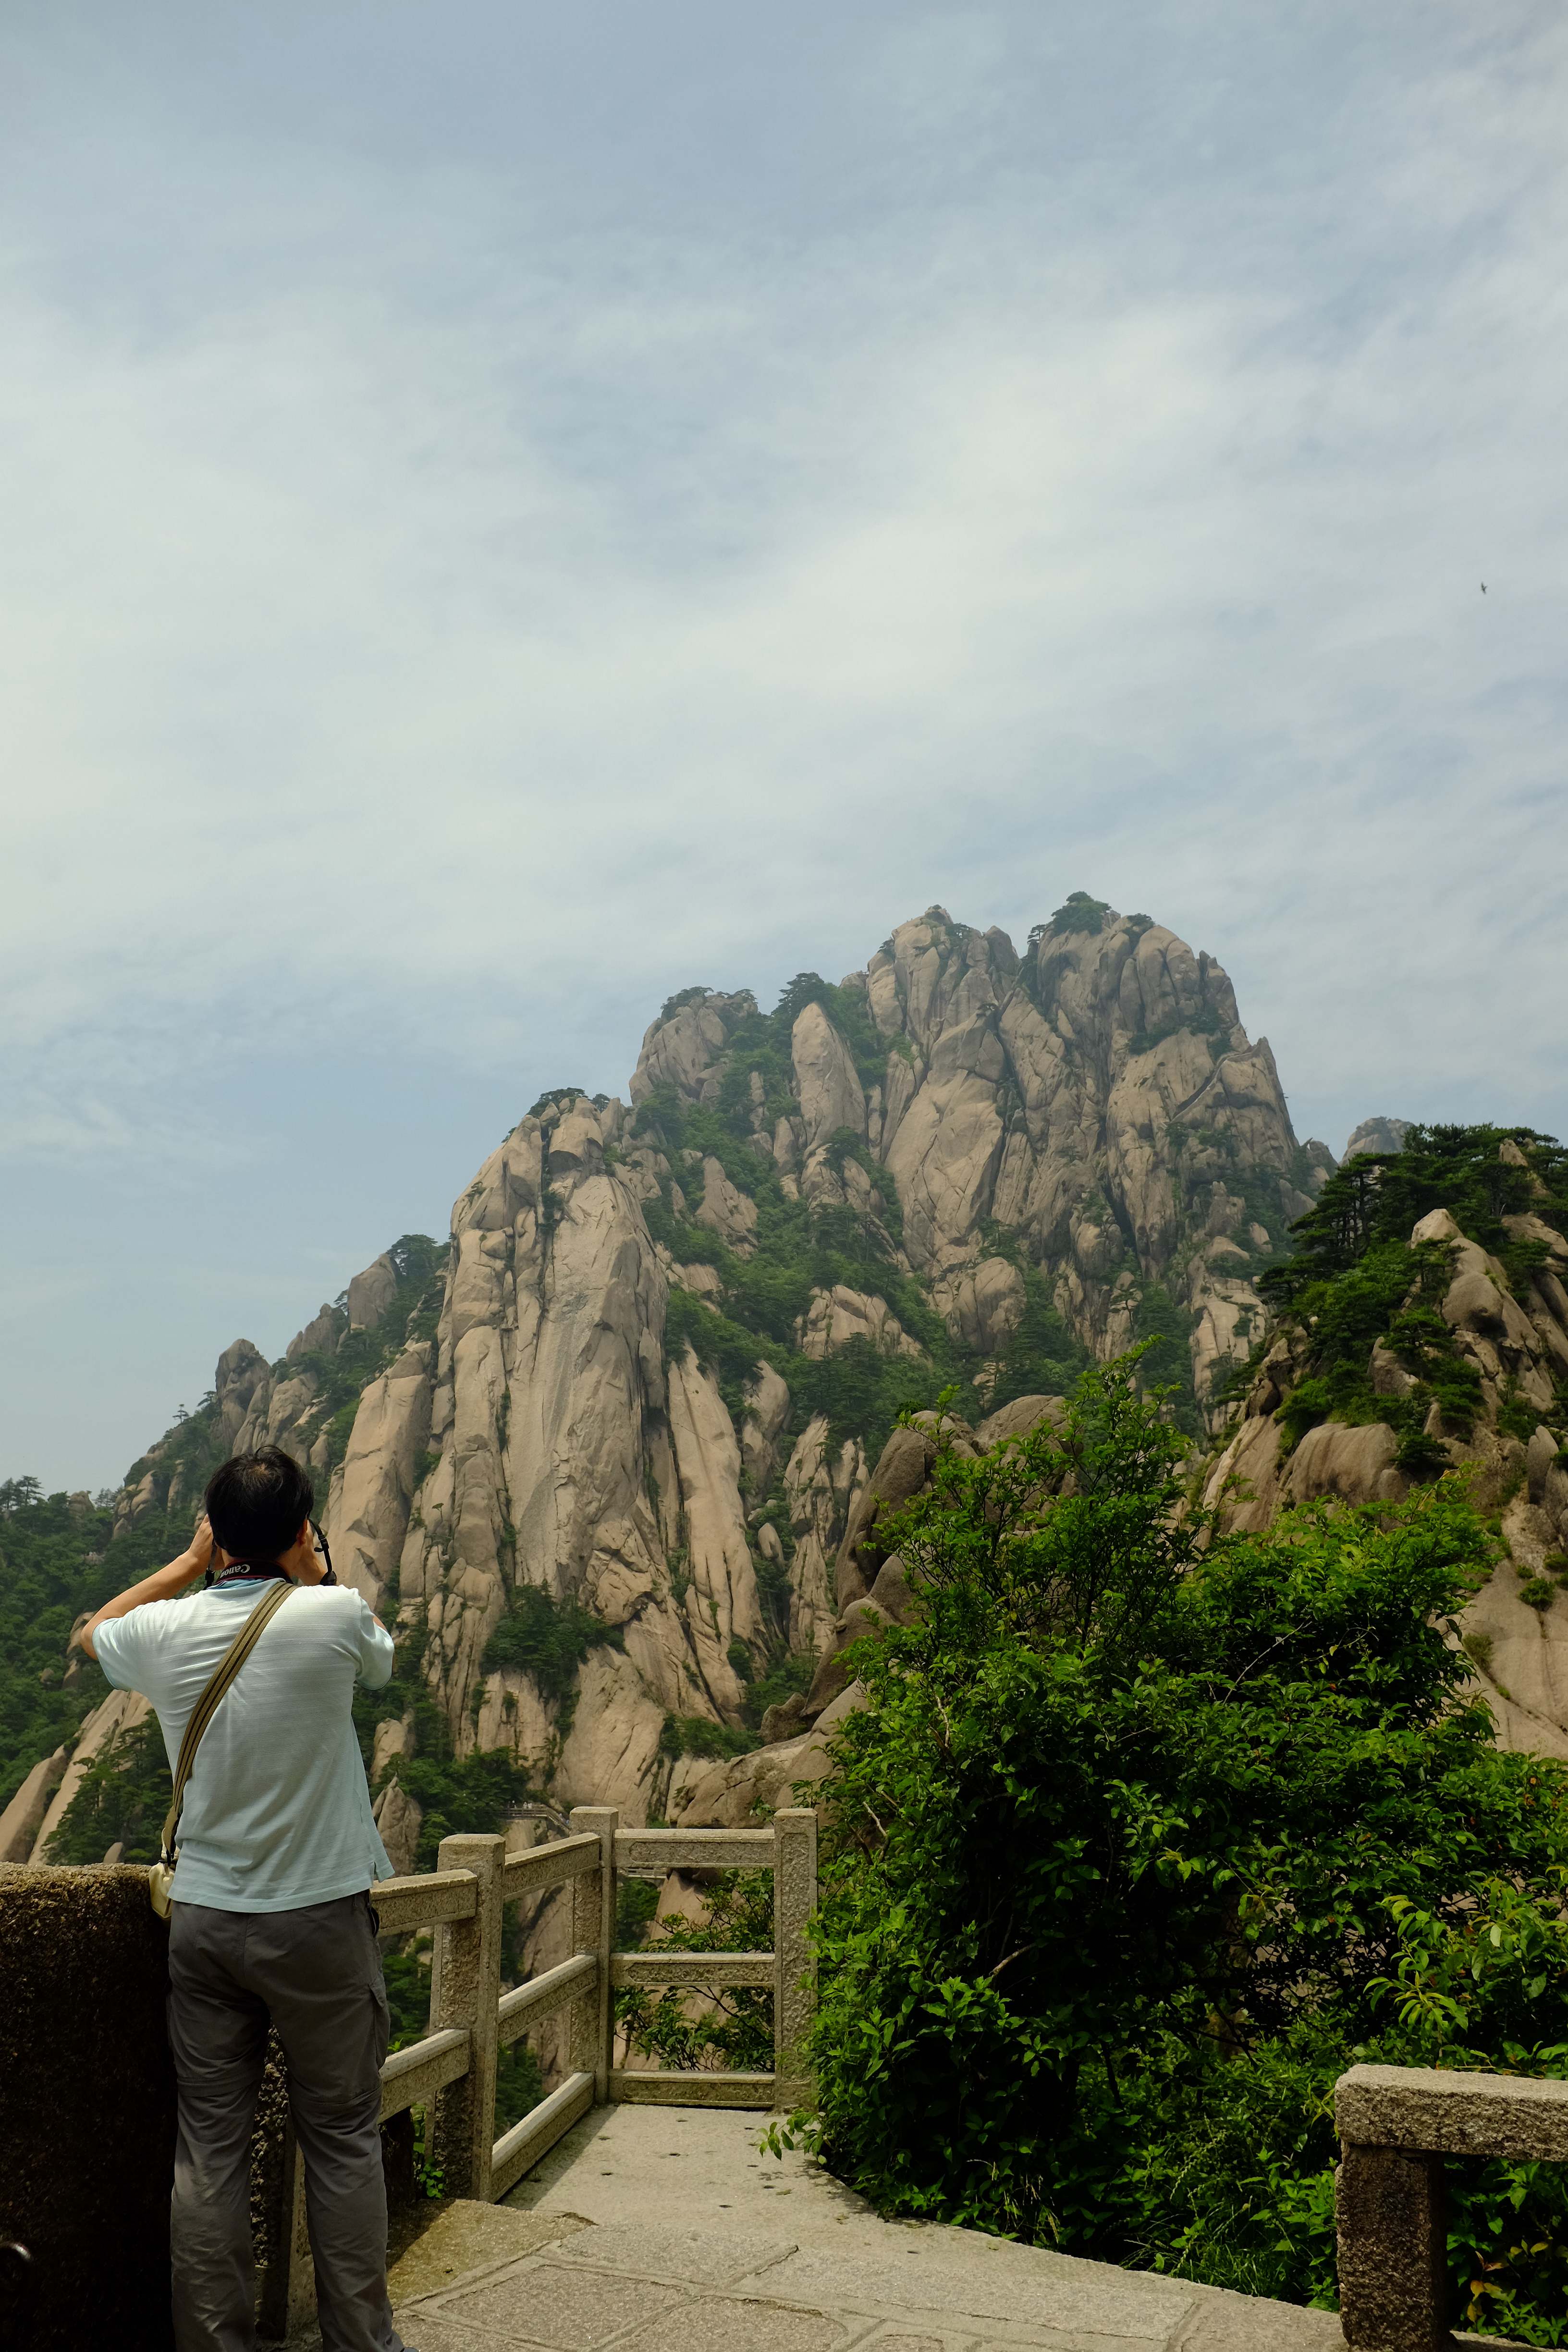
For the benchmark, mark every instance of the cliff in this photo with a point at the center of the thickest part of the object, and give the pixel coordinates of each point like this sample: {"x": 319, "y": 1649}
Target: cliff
{"x": 600, "y": 1451}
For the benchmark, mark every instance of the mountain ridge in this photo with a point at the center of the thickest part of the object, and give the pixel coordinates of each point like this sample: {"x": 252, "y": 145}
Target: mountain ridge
{"x": 650, "y": 1372}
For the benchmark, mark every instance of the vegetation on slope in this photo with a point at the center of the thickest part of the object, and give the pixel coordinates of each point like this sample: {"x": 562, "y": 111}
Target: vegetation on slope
{"x": 802, "y": 1248}
{"x": 1145, "y": 1833}
{"x": 1356, "y": 1279}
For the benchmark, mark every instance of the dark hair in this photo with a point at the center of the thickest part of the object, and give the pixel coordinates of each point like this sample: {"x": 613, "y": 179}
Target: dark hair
{"x": 258, "y": 1503}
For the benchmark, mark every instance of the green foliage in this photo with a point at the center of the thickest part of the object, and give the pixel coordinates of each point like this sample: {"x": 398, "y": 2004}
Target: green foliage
{"x": 1078, "y": 912}
{"x": 55, "y": 1566}
{"x": 695, "y": 1735}
{"x": 683, "y": 996}
{"x": 1391, "y": 1292}
{"x": 788, "y": 1676}
{"x": 547, "y": 1639}
{"x": 732, "y": 2028}
{"x": 520, "y": 2085}
{"x": 475, "y": 1795}
{"x": 1379, "y": 1196}
{"x": 121, "y": 1798}
{"x": 342, "y": 1375}
{"x": 637, "y": 1901}
{"x": 1145, "y": 1832}
{"x": 1208, "y": 1022}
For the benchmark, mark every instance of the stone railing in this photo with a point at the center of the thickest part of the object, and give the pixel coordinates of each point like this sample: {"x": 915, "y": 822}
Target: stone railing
{"x": 451, "y": 2071}
{"x": 1396, "y": 2124}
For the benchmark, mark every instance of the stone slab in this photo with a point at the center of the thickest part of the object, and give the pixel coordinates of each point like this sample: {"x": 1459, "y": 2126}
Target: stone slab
{"x": 563, "y": 2310}
{"x": 463, "y": 2236}
{"x": 689, "y": 2257}
{"x": 961, "y": 2273}
{"x": 1434, "y": 2111}
{"x": 699, "y": 2243}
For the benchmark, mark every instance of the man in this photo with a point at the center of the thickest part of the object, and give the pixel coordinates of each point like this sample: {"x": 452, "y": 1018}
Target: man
{"x": 272, "y": 1918}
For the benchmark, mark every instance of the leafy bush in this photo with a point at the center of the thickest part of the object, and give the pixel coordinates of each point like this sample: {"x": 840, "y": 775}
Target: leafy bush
{"x": 697, "y": 1734}
{"x": 121, "y": 1800}
{"x": 730, "y": 2029}
{"x": 1078, "y": 912}
{"x": 547, "y": 1639}
{"x": 1380, "y": 1196}
{"x": 1145, "y": 1832}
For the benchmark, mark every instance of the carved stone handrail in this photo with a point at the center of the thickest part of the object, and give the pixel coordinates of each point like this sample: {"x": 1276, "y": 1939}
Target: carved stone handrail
{"x": 451, "y": 2071}
{"x": 1395, "y": 2125}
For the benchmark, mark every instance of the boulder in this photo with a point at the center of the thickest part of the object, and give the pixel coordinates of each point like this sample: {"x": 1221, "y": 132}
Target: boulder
{"x": 1376, "y": 1135}
{"x": 725, "y": 1209}
{"x": 825, "y": 1079}
{"x": 983, "y": 1305}
{"x": 20, "y": 1822}
{"x": 399, "y": 1820}
{"x": 839, "y": 1315}
{"x": 1018, "y": 1419}
{"x": 765, "y": 1420}
{"x": 902, "y": 1468}
{"x": 1350, "y": 1464}
{"x": 1539, "y": 1458}
{"x": 683, "y": 1050}
{"x": 372, "y": 1293}
{"x": 319, "y": 1337}
{"x": 822, "y": 1489}
{"x": 394, "y": 1737}
{"x": 373, "y": 1491}
{"x": 122, "y": 1711}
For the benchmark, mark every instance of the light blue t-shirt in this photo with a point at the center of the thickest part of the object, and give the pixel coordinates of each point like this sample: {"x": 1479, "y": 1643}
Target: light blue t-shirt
{"x": 277, "y": 1811}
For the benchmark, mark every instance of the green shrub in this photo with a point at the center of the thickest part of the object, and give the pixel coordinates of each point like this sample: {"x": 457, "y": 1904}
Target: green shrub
{"x": 695, "y": 1735}
{"x": 1137, "y": 1844}
{"x": 730, "y": 2029}
{"x": 547, "y": 1639}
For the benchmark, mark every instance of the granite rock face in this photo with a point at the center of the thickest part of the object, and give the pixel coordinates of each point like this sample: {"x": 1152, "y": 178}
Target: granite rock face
{"x": 1083, "y": 1129}
{"x": 1519, "y": 1351}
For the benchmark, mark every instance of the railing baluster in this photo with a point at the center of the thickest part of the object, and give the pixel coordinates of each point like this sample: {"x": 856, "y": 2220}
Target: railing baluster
{"x": 593, "y": 1930}
{"x": 795, "y": 1961}
{"x": 464, "y": 1991}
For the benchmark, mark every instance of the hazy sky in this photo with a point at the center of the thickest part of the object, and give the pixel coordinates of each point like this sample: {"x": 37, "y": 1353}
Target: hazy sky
{"x": 506, "y": 512}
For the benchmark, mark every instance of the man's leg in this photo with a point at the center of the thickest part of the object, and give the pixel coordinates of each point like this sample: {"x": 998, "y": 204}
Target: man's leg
{"x": 217, "y": 2031}
{"x": 319, "y": 1970}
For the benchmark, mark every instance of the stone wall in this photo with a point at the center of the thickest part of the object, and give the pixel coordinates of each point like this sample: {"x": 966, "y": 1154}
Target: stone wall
{"x": 86, "y": 2107}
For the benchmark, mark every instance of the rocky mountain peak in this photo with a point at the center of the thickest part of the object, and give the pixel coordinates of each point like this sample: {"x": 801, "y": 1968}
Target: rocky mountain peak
{"x": 641, "y": 1387}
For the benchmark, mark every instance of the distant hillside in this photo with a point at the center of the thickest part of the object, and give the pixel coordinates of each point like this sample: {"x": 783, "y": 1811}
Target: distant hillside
{"x": 600, "y": 1450}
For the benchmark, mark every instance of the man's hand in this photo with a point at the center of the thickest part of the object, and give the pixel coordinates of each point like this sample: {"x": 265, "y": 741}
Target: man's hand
{"x": 163, "y": 1584}
{"x": 303, "y": 1563}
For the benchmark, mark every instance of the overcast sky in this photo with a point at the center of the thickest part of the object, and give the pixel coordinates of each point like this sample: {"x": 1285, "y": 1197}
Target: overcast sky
{"x": 506, "y": 512}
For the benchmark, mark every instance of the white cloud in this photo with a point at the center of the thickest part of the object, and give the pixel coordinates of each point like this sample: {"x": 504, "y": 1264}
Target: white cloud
{"x": 440, "y": 620}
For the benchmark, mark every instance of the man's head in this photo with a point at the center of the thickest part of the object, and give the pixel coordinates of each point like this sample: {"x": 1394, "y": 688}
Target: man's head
{"x": 257, "y": 1504}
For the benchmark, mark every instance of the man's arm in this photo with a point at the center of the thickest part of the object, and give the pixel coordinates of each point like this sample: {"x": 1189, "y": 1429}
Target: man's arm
{"x": 163, "y": 1584}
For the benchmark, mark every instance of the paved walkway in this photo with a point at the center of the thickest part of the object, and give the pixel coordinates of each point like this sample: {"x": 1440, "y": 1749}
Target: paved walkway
{"x": 665, "y": 2230}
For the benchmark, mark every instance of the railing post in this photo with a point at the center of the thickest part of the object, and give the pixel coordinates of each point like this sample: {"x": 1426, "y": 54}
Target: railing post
{"x": 593, "y": 1930}
{"x": 795, "y": 1961}
{"x": 1393, "y": 2250}
{"x": 465, "y": 1989}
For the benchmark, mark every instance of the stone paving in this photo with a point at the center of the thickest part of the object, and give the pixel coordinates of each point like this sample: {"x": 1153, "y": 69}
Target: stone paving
{"x": 665, "y": 2230}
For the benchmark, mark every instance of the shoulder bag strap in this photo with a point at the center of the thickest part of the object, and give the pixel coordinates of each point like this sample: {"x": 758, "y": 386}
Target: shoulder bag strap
{"x": 207, "y": 1707}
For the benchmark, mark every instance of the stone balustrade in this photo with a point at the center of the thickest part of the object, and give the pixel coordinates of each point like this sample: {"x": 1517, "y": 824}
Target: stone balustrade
{"x": 451, "y": 2071}
{"x": 86, "y": 1970}
{"x": 86, "y": 2090}
{"x": 1396, "y": 2124}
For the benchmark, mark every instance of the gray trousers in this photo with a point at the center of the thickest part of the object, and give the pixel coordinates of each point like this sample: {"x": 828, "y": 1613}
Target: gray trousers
{"x": 315, "y": 1974}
